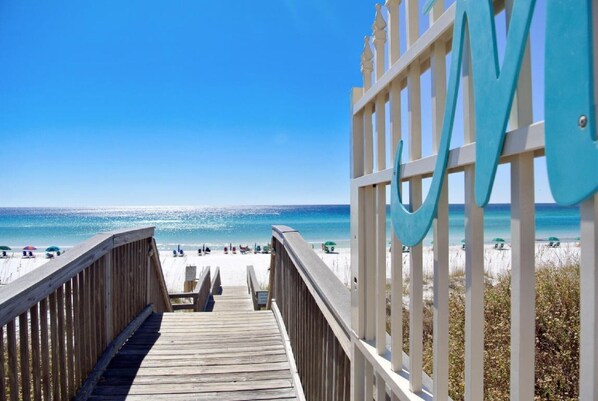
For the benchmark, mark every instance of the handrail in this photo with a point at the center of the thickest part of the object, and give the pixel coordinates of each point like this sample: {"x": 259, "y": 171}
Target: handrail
{"x": 56, "y": 321}
{"x": 316, "y": 310}
{"x": 31, "y": 288}
{"x": 216, "y": 283}
{"x": 162, "y": 291}
{"x": 200, "y": 294}
{"x": 252, "y": 286}
{"x": 332, "y": 296}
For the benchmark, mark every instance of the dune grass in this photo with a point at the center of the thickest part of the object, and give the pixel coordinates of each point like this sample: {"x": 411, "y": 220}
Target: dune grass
{"x": 557, "y": 335}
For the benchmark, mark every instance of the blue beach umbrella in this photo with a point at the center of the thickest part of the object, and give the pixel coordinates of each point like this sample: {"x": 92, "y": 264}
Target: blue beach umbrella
{"x": 52, "y": 248}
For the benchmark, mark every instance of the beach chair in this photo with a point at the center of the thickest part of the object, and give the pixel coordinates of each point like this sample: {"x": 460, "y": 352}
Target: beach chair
{"x": 406, "y": 249}
{"x": 174, "y": 255}
{"x": 266, "y": 249}
{"x": 199, "y": 252}
{"x": 57, "y": 253}
{"x": 25, "y": 255}
{"x": 4, "y": 254}
{"x": 225, "y": 250}
{"x": 31, "y": 255}
{"x": 49, "y": 255}
{"x": 234, "y": 250}
{"x": 207, "y": 251}
{"x": 181, "y": 253}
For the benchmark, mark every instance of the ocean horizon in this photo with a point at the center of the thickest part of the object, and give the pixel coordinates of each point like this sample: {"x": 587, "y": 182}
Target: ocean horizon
{"x": 194, "y": 226}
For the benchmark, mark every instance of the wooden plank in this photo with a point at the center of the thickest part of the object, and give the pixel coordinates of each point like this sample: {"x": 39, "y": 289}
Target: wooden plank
{"x": 35, "y": 353}
{"x": 54, "y": 339}
{"x": 178, "y": 388}
{"x": 70, "y": 350}
{"x": 45, "y": 342}
{"x": 281, "y": 394}
{"x": 185, "y": 378}
{"x": 3, "y": 386}
{"x": 13, "y": 368}
{"x": 197, "y": 370}
{"x": 108, "y": 311}
{"x": 61, "y": 334}
{"x": 77, "y": 348}
{"x": 24, "y": 352}
{"x": 127, "y": 236}
{"x": 238, "y": 359}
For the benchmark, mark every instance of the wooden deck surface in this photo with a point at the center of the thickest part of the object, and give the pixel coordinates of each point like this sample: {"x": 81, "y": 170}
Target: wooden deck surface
{"x": 233, "y": 299}
{"x": 232, "y": 353}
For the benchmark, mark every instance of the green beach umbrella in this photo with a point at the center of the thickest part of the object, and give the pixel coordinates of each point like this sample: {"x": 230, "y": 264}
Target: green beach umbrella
{"x": 462, "y": 241}
{"x": 53, "y": 248}
{"x": 330, "y": 243}
{"x": 553, "y": 239}
{"x": 4, "y": 248}
{"x": 498, "y": 239}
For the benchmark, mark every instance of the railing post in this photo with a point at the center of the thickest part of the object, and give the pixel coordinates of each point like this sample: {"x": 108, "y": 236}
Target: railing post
{"x": 108, "y": 311}
{"x": 379, "y": 33}
{"x": 149, "y": 276}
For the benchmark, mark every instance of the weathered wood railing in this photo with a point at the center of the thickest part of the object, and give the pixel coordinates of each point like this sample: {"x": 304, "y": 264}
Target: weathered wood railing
{"x": 200, "y": 294}
{"x": 56, "y": 321}
{"x": 252, "y": 285}
{"x": 316, "y": 310}
{"x": 216, "y": 283}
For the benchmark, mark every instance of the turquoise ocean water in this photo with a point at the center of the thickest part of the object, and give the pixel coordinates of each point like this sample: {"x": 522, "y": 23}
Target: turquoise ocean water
{"x": 193, "y": 226}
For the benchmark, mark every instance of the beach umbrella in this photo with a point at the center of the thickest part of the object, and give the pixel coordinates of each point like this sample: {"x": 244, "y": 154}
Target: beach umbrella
{"x": 553, "y": 239}
{"x": 29, "y": 248}
{"x": 4, "y": 248}
{"x": 498, "y": 239}
{"x": 330, "y": 243}
{"x": 52, "y": 248}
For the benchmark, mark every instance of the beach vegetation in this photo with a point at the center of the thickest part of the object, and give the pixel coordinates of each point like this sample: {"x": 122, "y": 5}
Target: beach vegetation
{"x": 557, "y": 334}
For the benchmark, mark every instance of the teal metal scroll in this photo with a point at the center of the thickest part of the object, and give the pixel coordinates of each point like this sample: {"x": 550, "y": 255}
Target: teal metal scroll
{"x": 492, "y": 111}
{"x": 570, "y": 108}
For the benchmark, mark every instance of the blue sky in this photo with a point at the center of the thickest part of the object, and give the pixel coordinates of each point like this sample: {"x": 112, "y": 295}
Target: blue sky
{"x": 183, "y": 102}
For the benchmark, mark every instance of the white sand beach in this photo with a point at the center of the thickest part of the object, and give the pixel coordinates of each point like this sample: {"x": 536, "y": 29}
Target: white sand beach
{"x": 233, "y": 267}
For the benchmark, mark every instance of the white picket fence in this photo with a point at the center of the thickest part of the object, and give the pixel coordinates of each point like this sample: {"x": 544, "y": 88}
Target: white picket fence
{"x": 379, "y": 366}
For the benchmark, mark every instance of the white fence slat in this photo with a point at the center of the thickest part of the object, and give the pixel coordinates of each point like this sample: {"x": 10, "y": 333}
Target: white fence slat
{"x": 369, "y": 278}
{"x": 380, "y": 133}
{"x": 588, "y": 371}
{"x": 474, "y": 293}
{"x": 523, "y": 291}
{"x": 368, "y": 140}
{"x": 381, "y": 269}
{"x": 474, "y": 253}
{"x": 396, "y": 307}
{"x": 394, "y": 33}
{"x": 416, "y": 304}
{"x": 441, "y": 235}
{"x": 412, "y": 21}
{"x": 357, "y": 373}
{"x": 369, "y": 381}
{"x": 357, "y": 260}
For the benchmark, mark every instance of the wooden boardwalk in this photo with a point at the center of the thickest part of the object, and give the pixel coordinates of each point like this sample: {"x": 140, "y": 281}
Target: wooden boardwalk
{"x": 233, "y": 299}
{"x": 232, "y": 353}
